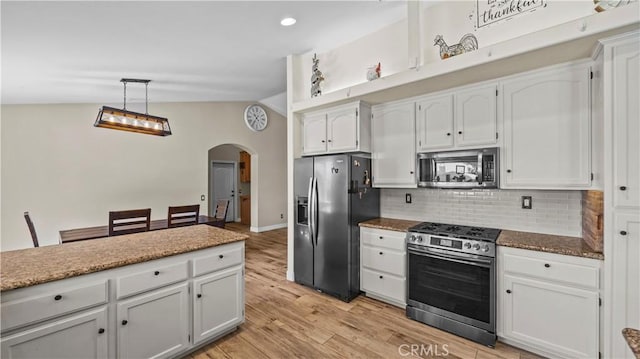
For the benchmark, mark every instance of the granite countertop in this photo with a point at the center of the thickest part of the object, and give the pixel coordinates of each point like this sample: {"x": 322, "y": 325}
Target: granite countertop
{"x": 633, "y": 339}
{"x": 390, "y": 224}
{"x": 27, "y": 267}
{"x": 573, "y": 246}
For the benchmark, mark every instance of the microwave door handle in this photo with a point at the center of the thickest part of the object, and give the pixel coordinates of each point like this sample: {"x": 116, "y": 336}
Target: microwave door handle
{"x": 479, "y": 170}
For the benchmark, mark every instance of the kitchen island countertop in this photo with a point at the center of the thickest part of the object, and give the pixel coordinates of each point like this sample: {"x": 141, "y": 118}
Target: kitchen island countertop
{"x": 32, "y": 266}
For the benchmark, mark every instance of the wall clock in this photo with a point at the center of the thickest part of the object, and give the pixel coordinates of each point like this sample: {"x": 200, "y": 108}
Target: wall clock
{"x": 255, "y": 117}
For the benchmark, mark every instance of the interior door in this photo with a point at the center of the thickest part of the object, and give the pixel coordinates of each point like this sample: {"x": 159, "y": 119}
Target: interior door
{"x": 223, "y": 178}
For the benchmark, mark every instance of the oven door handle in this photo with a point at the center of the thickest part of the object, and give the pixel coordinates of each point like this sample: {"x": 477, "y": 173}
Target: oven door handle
{"x": 479, "y": 170}
{"x": 430, "y": 253}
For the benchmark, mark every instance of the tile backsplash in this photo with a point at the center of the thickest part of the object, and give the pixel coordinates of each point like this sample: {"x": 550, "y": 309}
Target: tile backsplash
{"x": 553, "y": 212}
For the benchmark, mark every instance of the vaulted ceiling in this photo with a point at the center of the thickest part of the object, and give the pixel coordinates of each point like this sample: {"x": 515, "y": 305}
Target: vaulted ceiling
{"x": 77, "y": 51}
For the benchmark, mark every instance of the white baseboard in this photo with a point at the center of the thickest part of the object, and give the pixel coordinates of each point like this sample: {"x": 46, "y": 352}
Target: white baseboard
{"x": 290, "y": 276}
{"x": 268, "y": 228}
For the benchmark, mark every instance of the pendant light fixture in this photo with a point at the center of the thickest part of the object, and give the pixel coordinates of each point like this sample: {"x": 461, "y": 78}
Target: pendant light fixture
{"x": 124, "y": 120}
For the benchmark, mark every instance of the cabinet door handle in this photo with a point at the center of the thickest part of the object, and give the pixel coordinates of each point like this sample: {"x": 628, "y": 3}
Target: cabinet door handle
{"x": 221, "y": 256}
{"x": 623, "y": 188}
{"x": 322, "y": 141}
{"x": 156, "y": 273}
{"x": 380, "y": 277}
{"x": 124, "y": 322}
{"x": 199, "y": 295}
{"x": 380, "y": 253}
{"x": 57, "y": 297}
{"x": 459, "y": 132}
{"x": 101, "y": 330}
{"x": 508, "y": 291}
{"x": 380, "y": 237}
{"x": 624, "y": 233}
{"x": 547, "y": 265}
{"x": 328, "y": 140}
{"x": 448, "y": 133}
{"x": 508, "y": 171}
{"x": 410, "y": 172}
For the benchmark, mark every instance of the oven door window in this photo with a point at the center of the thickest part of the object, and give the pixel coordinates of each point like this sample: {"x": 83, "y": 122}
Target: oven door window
{"x": 456, "y": 287}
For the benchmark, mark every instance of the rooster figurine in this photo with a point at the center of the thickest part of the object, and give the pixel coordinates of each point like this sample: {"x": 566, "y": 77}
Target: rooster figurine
{"x": 467, "y": 43}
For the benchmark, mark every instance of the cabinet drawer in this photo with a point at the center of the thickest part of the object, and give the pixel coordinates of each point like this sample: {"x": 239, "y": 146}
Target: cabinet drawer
{"x": 30, "y": 310}
{"x": 219, "y": 259}
{"x": 383, "y": 238}
{"x": 552, "y": 270}
{"x": 382, "y": 259}
{"x": 384, "y": 284}
{"x": 150, "y": 279}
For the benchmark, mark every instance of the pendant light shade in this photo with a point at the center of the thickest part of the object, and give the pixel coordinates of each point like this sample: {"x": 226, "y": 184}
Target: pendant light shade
{"x": 117, "y": 119}
{"x": 124, "y": 120}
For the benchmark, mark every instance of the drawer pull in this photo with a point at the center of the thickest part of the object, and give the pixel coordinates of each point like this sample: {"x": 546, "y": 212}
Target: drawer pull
{"x": 448, "y": 133}
{"x": 221, "y": 256}
{"x": 624, "y": 233}
{"x": 124, "y": 322}
{"x": 547, "y": 265}
{"x": 380, "y": 253}
{"x": 623, "y": 188}
{"x": 156, "y": 273}
{"x": 199, "y": 295}
{"x": 380, "y": 237}
{"x": 508, "y": 291}
{"x": 57, "y": 297}
{"x": 380, "y": 277}
{"x": 508, "y": 171}
{"x": 101, "y": 330}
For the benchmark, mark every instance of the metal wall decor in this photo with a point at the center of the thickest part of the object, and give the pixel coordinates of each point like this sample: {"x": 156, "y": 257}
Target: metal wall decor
{"x": 602, "y": 5}
{"x": 467, "y": 43}
{"x": 374, "y": 72}
{"x": 316, "y": 78}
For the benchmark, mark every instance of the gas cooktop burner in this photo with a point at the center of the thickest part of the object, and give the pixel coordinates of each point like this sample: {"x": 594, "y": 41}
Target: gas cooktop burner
{"x": 450, "y": 230}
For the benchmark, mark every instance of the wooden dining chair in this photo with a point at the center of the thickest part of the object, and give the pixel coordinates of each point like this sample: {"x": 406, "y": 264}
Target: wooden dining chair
{"x": 32, "y": 229}
{"x": 130, "y": 221}
{"x": 220, "y": 215}
{"x": 183, "y": 215}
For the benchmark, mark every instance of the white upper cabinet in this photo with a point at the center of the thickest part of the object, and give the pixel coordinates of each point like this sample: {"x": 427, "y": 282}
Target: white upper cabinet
{"x": 475, "y": 116}
{"x": 393, "y": 145}
{"x": 434, "y": 123}
{"x": 339, "y": 129}
{"x": 314, "y": 130}
{"x": 547, "y": 129}
{"x": 626, "y": 112}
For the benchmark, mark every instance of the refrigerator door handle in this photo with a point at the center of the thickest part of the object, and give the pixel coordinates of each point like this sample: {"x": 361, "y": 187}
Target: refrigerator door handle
{"x": 310, "y": 209}
{"x": 315, "y": 209}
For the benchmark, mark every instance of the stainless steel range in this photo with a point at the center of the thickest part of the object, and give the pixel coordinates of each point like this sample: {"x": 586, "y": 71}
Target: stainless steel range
{"x": 452, "y": 279}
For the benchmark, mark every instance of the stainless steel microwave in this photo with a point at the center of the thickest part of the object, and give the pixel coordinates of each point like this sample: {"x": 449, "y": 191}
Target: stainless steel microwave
{"x": 476, "y": 168}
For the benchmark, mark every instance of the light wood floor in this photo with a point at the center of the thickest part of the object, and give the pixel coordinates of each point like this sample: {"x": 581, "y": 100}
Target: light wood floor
{"x": 286, "y": 320}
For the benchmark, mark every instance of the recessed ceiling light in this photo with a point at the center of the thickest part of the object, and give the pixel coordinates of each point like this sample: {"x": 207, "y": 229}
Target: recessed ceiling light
{"x": 288, "y": 21}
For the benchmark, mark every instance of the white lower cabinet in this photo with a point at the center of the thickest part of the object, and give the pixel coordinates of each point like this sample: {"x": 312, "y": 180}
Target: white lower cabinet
{"x": 154, "y": 325}
{"x": 156, "y": 309}
{"x": 82, "y": 336}
{"x": 218, "y": 303}
{"x": 549, "y": 303}
{"x": 383, "y": 265}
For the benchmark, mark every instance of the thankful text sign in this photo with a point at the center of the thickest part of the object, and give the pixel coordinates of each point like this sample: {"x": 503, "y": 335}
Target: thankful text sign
{"x": 491, "y": 11}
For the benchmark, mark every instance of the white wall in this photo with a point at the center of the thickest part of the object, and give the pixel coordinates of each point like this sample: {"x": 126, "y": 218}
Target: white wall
{"x": 346, "y": 65}
{"x": 68, "y": 174}
{"x": 553, "y": 212}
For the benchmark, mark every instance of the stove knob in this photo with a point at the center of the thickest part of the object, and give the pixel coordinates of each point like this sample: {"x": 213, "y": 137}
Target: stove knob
{"x": 476, "y": 246}
{"x": 419, "y": 239}
{"x": 467, "y": 245}
{"x": 486, "y": 248}
{"x": 412, "y": 238}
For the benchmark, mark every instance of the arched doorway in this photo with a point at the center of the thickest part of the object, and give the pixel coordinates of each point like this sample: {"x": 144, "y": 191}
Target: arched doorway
{"x": 232, "y": 172}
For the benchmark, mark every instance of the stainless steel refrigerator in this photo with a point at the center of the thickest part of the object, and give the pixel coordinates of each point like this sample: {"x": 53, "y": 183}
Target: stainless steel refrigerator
{"x": 333, "y": 194}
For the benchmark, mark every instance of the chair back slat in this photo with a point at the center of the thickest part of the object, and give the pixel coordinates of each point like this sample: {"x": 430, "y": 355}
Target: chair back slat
{"x": 220, "y": 215}
{"x": 183, "y": 215}
{"x": 32, "y": 229}
{"x": 130, "y": 221}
